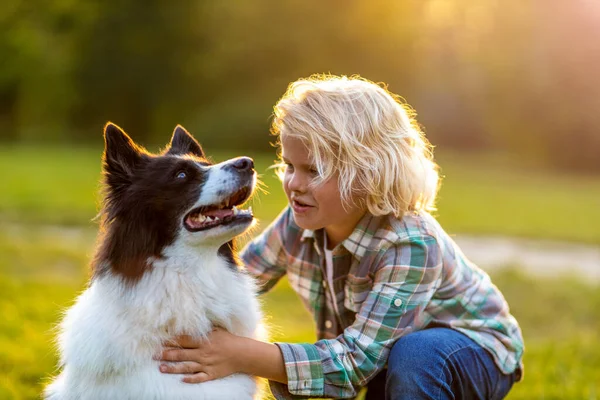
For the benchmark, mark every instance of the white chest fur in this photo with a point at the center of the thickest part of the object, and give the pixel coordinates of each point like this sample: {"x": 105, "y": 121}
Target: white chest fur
{"x": 109, "y": 336}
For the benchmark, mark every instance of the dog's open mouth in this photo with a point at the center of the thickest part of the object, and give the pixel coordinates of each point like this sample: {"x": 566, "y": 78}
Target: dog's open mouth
{"x": 224, "y": 213}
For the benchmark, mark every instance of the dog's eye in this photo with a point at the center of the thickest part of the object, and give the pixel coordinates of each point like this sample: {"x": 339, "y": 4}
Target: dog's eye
{"x": 181, "y": 175}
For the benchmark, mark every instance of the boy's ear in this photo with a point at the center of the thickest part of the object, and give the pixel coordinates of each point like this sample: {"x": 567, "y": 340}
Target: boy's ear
{"x": 184, "y": 143}
{"x": 120, "y": 157}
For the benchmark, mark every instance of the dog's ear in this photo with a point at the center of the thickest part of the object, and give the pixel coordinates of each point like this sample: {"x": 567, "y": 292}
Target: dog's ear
{"x": 184, "y": 143}
{"x": 121, "y": 155}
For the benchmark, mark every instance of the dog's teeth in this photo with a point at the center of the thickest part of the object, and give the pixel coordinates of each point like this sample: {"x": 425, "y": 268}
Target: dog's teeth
{"x": 235, "y": 210}
{"x": 217, "y": 219}
{"x": 250, "y": 210}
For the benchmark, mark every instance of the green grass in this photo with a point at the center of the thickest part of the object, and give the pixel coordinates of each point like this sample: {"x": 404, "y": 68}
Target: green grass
{"x": 495, "y": 196}
{"x": 480, "y": 194}
{"x": 48, "y": 199}
{"x": 560, "y": 317}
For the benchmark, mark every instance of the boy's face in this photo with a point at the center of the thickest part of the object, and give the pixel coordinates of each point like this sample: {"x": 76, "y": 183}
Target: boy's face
{"x": 315, "y": 207}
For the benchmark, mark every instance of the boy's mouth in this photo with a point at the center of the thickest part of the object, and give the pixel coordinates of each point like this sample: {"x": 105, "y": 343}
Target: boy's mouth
{"x": 296, "y": 200}
{"x": 300, "y": 206}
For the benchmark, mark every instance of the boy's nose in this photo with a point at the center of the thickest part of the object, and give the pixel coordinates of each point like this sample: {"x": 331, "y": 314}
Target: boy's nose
{"x": 296, "y": 184}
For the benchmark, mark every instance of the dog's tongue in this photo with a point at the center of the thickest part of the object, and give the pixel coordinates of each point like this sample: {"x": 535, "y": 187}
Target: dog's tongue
{"x": 220, "y": 213}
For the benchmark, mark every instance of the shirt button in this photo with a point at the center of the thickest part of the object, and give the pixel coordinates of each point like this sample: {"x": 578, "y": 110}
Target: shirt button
{"x": 398, "y": 302}
{"x": 328, "y": 324}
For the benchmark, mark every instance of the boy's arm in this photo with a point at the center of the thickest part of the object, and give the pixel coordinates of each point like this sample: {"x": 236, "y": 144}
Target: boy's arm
{"x": 262, "y": 359}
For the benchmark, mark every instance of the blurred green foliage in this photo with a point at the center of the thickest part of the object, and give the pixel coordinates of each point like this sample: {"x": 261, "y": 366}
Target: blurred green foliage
{"x": 516, "y": 76}
{"x": 480, "y": 194}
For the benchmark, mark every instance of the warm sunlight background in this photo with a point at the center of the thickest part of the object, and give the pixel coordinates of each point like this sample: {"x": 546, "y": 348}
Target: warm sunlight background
{"x": 507, "y": 91}
{"x": 520, "y": 77}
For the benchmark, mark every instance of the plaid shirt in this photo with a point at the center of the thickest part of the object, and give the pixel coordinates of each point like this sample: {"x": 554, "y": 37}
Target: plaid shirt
{"x": 391, "y": 277}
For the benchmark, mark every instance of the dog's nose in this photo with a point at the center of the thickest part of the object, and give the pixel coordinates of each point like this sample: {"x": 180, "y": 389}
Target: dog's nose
{"x": 243, "y": 163}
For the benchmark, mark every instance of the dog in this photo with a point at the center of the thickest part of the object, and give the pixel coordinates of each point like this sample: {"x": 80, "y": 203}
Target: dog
{"x": 164, "y": 265}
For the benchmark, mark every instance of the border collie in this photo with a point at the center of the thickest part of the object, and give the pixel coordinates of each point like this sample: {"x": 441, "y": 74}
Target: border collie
{"x": 164, "y": 265}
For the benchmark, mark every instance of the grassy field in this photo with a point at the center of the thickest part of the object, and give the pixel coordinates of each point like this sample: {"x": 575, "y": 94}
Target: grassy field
{"x": 47, "y": 199}
{"x": 479, "y": 194}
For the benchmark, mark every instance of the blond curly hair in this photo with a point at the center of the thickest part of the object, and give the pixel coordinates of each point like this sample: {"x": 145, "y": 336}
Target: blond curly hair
{"x": 366, "y": 137}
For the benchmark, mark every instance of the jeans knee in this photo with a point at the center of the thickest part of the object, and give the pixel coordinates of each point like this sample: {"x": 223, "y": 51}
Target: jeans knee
{"x": 407, "y": 359}
{"x": 439, "y": 363}
{"x": 403, "y": 353}
{"x": 417, "y": 358}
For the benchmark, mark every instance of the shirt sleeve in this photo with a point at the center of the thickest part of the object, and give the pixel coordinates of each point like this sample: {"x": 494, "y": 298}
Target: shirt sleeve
{"x": 264, "y": 257}
{"x": 403, "y": 284}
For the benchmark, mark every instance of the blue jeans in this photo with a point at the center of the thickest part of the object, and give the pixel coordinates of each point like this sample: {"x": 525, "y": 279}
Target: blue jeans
{"x": 439, "y": 363}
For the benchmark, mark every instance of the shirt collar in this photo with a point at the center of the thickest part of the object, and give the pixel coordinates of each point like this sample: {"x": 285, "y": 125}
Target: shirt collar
{"x": 307, "y": 234}
{"x": 360, "y": 240}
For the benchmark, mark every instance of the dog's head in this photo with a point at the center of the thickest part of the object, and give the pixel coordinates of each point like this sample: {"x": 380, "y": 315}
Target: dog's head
{"x": 152, "y": 200}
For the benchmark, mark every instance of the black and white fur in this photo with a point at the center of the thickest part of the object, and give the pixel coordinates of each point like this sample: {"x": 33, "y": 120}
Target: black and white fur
{"x": 154, "y": 276}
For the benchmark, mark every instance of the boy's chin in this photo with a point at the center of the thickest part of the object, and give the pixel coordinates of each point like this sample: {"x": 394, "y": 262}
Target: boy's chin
{"x": 306, "y": 223}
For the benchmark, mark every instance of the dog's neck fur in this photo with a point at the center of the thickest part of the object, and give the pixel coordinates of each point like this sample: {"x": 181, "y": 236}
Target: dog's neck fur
{"x": 192, "y": 286}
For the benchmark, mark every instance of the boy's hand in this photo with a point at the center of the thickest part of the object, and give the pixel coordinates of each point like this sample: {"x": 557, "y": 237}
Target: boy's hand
{"x": 202, "y": 360}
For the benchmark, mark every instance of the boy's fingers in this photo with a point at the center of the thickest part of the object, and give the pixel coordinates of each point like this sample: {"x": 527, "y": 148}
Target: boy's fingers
{"x": 177, "y": 355}
{"x": 197, "y": 378}
{"x": 185, "y": 367}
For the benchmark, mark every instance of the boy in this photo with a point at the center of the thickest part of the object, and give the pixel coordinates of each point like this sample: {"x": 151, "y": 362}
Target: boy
{"x": 386, "y": 285}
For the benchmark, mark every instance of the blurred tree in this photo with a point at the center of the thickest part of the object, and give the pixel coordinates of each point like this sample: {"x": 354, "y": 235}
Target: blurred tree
{"x": 36, "y": 91}
{"x": 566, "y": 76}
{"x": 517, "y": 76}
{"x": 134, "y": 66}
